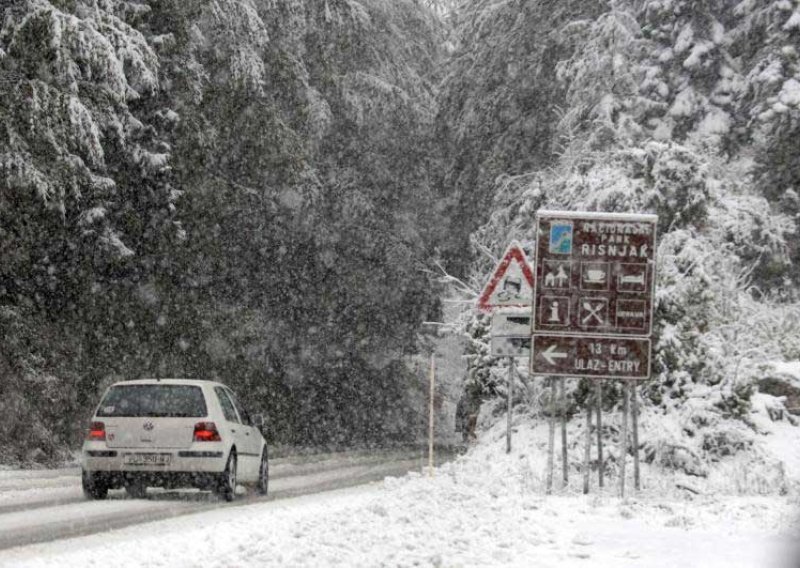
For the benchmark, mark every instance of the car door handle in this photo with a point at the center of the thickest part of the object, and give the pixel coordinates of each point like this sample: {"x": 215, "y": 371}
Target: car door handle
{"x": 233, "y": 431}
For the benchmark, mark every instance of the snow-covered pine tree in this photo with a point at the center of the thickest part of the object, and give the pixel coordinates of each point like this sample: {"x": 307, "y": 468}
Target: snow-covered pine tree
{"x": 86, "y": 193}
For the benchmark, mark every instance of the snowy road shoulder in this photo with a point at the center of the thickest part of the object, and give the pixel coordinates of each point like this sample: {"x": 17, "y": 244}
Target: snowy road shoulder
{"x": 454, "y": 519}
{"x": 213, "y": 538}
{"x": 22, "y": 490}
{"x": 41, "y": 522}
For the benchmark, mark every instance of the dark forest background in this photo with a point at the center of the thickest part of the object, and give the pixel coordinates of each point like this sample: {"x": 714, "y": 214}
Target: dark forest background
{"x": 229, "y": 189}
{"x": 256, "y": 191}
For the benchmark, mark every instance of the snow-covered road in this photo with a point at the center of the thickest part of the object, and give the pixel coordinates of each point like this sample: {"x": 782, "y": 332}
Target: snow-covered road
{"x": 458, "y": 518}
{"x": 485, "y": 509}
{"x": 42, "y": 506}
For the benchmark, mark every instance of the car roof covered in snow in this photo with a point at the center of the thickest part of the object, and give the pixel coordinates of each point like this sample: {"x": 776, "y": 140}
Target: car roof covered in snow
{"x": 172, "y": 381}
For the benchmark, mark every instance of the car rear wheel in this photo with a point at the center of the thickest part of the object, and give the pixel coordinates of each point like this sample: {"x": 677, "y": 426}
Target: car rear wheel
{"x": 263, "y": 474}
{"x": 226, "y": 487}
{"x": 136, "y": 488}
{"x": 93, "y": 486}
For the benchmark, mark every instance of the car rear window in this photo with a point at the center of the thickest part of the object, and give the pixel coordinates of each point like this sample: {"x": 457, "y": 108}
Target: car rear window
{"x": 154, "y": 400}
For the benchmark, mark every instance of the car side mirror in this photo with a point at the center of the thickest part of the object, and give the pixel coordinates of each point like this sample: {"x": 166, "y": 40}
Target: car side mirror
{"x": 258, "y": 421}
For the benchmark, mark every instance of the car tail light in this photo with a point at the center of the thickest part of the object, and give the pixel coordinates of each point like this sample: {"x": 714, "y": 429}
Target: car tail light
{"x": 206, "y": 432}
{"x": 97, "y": 431}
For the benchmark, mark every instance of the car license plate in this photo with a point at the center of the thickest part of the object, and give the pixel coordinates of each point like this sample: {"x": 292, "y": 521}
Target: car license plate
{"x": 147, "y": 459}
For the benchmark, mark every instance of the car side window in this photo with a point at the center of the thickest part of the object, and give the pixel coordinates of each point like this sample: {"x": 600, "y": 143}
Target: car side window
{"x": 242, "y": 412}
{"x": 227, "y": 406}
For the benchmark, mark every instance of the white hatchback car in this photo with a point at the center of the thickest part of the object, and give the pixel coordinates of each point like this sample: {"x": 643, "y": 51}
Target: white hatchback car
{"x": 173, "y": 433}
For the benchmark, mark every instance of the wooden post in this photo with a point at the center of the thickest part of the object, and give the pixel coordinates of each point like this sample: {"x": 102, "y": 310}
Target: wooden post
{"x": 564, "y": 458}
{"x": 430, "y": 416}
{"x": 635, "y": 425}
{"x": 551, "y": 435}
{"x": 510, "y": 400}
{"x": 587, "y": 449}
{"x": 599, "y": 396}
{"x": 623, "y": 442}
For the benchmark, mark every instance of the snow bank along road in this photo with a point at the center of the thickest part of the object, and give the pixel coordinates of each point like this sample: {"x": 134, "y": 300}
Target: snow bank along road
{"x": 38, "y": 506}
{"x": 473, "y": 513}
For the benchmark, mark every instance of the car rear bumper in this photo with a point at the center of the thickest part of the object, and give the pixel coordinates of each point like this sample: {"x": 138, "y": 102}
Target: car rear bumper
{"x": 190, "y": 461}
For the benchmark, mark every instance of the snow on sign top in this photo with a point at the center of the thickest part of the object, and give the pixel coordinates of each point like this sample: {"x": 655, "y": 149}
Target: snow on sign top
{"x": 511, "y": 284}
{"x": 642, "y": 217}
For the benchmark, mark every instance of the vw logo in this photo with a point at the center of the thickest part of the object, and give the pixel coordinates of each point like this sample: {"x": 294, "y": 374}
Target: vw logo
{"x": 148, "y": 426}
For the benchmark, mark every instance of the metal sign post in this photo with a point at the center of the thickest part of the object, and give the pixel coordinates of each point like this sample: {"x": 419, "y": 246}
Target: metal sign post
{"x": 599, "y": 395}
{"x": 592, "y": 310}
{"x": 510, "y": 401}
{"x": 564, "y": 461}
{"x": 430, "y": 416}
{"x": 587, "y": 450}
{"x": 623, "y": 442}
{"x": 551, "y": 433}
{"x": 635, "y": 423}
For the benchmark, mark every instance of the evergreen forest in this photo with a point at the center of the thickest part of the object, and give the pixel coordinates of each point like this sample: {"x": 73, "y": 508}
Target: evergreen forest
{"x": 279, "y": 194}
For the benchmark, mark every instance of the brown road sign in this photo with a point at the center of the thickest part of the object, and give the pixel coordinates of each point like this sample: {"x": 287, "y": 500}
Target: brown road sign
{"x": 594, "y": 357}
{"x": 595, "y": 273}
{"x": 593, "y": 295}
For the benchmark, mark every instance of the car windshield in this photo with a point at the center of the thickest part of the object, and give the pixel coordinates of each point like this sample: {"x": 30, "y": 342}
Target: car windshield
{"x": 154, "y": 400}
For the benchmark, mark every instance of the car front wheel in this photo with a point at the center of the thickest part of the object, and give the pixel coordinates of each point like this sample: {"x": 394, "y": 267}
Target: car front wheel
{"x": 263, "y": 474}
{"x": 93, "y": 486}
{"x": 226, "y": 487}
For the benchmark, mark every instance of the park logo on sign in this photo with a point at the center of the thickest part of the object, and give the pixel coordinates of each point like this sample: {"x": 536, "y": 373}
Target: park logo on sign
{"x": 561, "y": 237}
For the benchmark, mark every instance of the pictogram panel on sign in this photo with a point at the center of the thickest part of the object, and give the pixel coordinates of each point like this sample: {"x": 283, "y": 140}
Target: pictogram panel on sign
{"x": 594, "y": 273}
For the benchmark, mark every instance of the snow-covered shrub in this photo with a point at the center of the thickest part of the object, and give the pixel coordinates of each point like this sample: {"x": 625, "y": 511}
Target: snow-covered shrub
{"x": 480, "y": 380}
{"x": 721, "y": 443}
{"x": 679, "y": 187}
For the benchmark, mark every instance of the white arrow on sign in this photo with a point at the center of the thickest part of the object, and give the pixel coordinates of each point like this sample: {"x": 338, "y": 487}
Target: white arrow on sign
{"x": 551, "y": 354}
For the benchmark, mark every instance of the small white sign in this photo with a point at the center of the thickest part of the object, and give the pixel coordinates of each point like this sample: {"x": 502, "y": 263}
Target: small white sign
{"x": 511, "y": 346}
{"x": 511, "y": 323}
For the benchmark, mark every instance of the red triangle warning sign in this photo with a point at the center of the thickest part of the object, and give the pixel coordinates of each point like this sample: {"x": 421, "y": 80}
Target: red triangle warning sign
{"x": 511, "y": 284}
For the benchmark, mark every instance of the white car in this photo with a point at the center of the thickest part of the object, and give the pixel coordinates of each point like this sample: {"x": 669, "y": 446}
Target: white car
{"x": 173, "y": 433}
